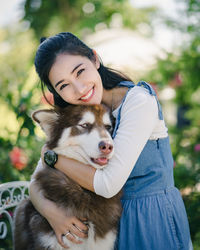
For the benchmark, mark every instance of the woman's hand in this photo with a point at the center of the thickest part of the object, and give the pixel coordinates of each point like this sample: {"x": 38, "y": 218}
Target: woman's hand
{"x": 63, "y": 225}
{"x": 57, "y": 218}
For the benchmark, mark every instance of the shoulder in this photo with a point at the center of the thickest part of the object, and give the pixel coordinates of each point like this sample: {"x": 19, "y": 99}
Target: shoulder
{"x": 140, "y": 97}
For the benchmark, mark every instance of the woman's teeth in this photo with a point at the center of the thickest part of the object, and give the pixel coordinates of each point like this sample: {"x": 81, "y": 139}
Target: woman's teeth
{"x": 88, "y": 95}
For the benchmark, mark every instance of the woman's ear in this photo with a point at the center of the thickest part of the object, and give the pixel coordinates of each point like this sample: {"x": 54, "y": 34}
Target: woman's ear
{"x": 97, "y": 61}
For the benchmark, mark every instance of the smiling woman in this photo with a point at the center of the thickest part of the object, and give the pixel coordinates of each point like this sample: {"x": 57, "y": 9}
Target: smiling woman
{"x": 80, "y": 76}
{"x": 142, "y": 164}
{"x": 76, "y": 79}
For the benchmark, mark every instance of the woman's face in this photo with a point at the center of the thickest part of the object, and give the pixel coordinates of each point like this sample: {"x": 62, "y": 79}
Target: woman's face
{"x": 76, "y": 79}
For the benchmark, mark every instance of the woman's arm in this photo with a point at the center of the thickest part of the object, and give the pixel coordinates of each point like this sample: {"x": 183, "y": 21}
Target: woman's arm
{"x": 81, "y": 173}
{"x": 57, "y": 217}
{"x": 138, "y": 119}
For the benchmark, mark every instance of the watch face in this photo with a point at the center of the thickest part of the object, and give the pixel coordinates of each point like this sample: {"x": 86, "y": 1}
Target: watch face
{"x": 50, "y": 157}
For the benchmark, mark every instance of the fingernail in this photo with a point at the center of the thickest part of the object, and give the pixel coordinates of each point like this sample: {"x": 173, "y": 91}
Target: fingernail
{"x": 83, "y": 219}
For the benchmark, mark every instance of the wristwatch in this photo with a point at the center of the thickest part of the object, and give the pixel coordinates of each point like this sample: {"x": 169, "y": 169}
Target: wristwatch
{"x": 50, "y": 158}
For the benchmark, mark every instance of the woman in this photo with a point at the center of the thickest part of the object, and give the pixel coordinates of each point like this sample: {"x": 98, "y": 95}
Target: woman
{"x": 153, "y": 214}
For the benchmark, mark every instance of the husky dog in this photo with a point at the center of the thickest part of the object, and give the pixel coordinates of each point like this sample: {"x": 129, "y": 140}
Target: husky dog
{"x": 81, "y": 132}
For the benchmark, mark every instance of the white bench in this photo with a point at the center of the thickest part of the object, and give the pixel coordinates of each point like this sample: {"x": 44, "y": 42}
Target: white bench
{"x": 11, "y": 193}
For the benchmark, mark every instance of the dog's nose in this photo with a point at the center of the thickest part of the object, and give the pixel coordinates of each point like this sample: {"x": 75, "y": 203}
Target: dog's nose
{"x": 105, "y": 147}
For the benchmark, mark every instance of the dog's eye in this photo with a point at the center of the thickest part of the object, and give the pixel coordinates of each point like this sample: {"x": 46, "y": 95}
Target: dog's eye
{"x": 85, "y": 125}
{"x": 108, "y": 127}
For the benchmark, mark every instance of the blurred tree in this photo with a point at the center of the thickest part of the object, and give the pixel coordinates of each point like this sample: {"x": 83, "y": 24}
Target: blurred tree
{"x": 181, "y": 71}
{"x": 19, "y": 96}
{"x": 81, "y": 16}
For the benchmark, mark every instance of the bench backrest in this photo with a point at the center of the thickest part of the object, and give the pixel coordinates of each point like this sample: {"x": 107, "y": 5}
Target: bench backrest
{"x": 11, "y": 194}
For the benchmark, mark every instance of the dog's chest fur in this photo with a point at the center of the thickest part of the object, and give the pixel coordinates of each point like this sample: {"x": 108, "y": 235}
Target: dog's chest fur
{"x": 79, "y": 202}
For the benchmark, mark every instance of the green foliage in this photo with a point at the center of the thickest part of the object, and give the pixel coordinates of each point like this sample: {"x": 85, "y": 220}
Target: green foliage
{"x": 192, "y": 204}
{"x": 180, "y": 71}
{"x": 19, "y": 96}
{"x": 80, "y": 17}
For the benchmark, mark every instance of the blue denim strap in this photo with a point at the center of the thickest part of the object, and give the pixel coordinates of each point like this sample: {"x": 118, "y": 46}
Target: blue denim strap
{"x": 131, "y": 85}
{"x": 127, "y": 84}
{"x": 121, "y": 84}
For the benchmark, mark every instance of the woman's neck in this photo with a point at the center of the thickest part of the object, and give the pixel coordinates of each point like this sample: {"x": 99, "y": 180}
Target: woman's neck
{"x": 113, "y": 97}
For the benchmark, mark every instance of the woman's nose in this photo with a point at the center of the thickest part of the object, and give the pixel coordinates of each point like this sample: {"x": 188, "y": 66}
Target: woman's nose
{"x": 80, "y": 87}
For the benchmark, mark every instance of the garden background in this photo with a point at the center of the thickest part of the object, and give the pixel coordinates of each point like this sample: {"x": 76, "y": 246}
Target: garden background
{"x": 144, "y": 41}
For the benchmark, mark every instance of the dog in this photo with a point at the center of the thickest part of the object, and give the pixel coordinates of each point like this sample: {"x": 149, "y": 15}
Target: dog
{"x": 81, "y": 132}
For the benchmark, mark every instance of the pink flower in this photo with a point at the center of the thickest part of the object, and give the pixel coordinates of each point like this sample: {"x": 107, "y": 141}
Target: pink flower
{"x": 177, "y": 81}
{"x": 18, "y": 158}
{"x": 197, "y": 148}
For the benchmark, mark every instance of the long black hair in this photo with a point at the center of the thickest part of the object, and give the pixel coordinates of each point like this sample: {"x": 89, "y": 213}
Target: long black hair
{"x": 67, "y": 43}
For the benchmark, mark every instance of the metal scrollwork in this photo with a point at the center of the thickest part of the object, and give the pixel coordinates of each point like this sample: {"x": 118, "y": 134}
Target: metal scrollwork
{"x": 3, "y": 230}
{"x": 11, "y": 194}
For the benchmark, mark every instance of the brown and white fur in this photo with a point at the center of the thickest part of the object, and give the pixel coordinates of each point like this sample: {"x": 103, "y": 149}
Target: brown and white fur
{"x": 82, "y": 133}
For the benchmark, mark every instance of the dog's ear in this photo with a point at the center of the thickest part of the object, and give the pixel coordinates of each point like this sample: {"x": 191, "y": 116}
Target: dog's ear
{"x": 45, "y": 118}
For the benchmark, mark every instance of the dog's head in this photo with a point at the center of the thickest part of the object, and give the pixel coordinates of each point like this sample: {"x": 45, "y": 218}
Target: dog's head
{"x": 80, "y": 132}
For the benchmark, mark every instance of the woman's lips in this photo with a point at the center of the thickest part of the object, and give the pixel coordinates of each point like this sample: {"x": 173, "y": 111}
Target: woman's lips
{"x": 87, "y": 97}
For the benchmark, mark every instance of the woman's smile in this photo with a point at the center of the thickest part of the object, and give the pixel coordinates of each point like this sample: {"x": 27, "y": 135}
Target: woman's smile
{"x": 88, "y": 96}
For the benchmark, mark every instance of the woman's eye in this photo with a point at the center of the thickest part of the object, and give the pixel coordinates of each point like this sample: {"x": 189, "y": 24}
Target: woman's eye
{"x": 80, "y": 71}
{"x": 64, "y": 85}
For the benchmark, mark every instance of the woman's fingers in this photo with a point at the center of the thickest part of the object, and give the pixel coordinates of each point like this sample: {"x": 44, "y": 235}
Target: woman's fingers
{"x": 73, "y": 238}
{"x": 81, "y": 225}
{"x": 62, "y": 224}
{"x": 60, "y": 241}
{"x": 75, "y": 230}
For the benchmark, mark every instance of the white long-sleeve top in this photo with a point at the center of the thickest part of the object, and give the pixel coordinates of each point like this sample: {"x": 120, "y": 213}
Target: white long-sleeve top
{"x": 139, "y": 123}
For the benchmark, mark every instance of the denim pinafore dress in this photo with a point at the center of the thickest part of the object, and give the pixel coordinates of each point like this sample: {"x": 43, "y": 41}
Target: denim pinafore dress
{"x": 153, "y": 216}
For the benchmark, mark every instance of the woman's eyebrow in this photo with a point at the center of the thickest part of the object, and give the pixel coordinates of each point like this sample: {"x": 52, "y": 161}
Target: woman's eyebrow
{"x": 76, "y": 67}
{"x": 71, "y": 73}
{"x": 59, "y": 83}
